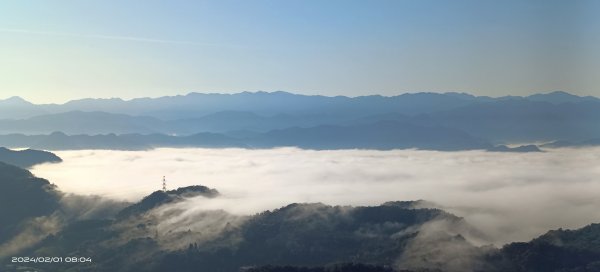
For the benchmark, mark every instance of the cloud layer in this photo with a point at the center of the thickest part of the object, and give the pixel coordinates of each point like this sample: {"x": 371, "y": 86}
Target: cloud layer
{"x": 511, "y": 197}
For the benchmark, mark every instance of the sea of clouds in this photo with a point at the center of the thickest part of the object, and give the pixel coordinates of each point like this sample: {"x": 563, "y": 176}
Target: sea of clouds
{"x": 508, "y": 196}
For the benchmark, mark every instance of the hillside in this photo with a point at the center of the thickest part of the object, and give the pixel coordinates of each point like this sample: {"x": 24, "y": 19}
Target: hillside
{"x": 23, "y": 196}
{"x": 169, "y": 231}
{"x": 27, "y": 158}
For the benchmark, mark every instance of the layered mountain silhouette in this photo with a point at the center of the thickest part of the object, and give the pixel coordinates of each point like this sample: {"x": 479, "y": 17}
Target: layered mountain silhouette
{"x": 62, "y": 141}
{"x": 563, "y": 143}
{"x": 557, "y": 250}
{"x": 264, "y": 119}
{"x": 82, "y": 122}
{"x": 195, "y": 105}
{"x": 160, "y": 198}
{"x": 384, "y": 135}
{"x": 23, "y": 197}
{"x": 379, "y": 135}
{"x": 27, "y": 158}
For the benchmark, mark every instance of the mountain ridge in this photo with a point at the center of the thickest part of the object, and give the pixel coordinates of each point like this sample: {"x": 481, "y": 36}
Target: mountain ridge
{"x": 269, "y": 102}
{"x": 269, "y": 119}
{"x": 27, "y": 158}
{"x": 450, "y": 93}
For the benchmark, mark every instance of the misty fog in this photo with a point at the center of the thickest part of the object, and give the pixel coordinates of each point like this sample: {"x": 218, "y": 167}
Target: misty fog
{"x": 509, "y": 196}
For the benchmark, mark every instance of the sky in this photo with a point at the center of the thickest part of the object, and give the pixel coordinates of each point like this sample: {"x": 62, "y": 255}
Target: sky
{"x": 54, "y": 51}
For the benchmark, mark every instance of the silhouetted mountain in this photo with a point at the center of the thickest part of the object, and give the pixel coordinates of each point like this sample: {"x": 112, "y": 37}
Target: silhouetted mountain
{"x": 297, "y": 237}
{"x": 228, "y": 121}
{"x": 297, "y": 234}
{"x": 414, "y": 204}
{"x": 559, "y": 97}
{"x": 519, "y": 120}
{"x": 381, "y": 135}
{"x": 159, "y": 198}
{"x": 563, "y": 143}
{"x": 27, "y": 158}
{"x": 80, "y": 122}
{"x": 195, "y": 105}
{"x": 521, "y": 149}
{"x": 558, "y": 144}
{"x": 16, "y": 107}
{"x": 223, "y": 121}
{"x": 61, "y": 141}
{"x": 541, "y": 117}
{"x": 558, "y": 250}
{"x": 23, "y": 196}
{"x": 215, "y": 140}
{"x": 14, "y": 101}
{"x": 310, "y": 235}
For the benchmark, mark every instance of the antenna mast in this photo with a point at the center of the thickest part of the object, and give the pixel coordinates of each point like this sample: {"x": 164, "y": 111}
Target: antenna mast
{"x": 164, "y": 184}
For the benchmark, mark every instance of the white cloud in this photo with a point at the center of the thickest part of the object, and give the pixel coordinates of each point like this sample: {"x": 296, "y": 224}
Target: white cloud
{"x": 510, "y": 196}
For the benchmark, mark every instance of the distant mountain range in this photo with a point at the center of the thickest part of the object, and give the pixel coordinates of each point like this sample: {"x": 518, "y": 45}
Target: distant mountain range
{"x": 159, "y": 198}
{"x": 559, "y": 144}
{"x": 263, "y": 119}
{"x": 385, "y": 135}
{"x": 160, "y": 234}
{"x": 196, "y": 105}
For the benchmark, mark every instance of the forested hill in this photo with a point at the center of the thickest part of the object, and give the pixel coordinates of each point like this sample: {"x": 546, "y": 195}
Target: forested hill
{"x": 27, "y": 158}
{"x": 172, "y": 231}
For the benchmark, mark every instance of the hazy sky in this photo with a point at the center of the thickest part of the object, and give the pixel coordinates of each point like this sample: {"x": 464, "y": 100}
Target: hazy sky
{"x": 52, "y": 51}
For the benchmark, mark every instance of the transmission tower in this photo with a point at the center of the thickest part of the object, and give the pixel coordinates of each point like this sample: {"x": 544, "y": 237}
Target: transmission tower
{"x": 164, "y": 184}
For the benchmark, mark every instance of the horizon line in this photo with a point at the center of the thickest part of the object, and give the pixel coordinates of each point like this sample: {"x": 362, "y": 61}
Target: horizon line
{"x": 291, "y": 93}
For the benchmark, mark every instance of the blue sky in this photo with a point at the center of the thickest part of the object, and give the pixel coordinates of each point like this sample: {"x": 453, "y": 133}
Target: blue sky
{"x": 53, "y": 51}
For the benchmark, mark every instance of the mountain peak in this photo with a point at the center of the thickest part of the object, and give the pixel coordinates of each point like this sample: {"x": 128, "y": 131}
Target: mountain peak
{"x": 559, "y": 97}
{"x": 14, "y": 101}
{"x": 557, "y": 94}
{"x": 159, "y": 198}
